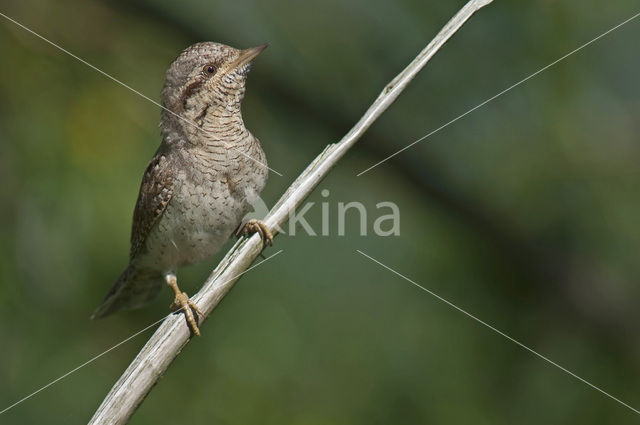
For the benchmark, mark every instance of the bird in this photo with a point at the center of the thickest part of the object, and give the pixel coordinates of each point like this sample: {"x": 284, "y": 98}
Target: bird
{"x": 201, "y": 182}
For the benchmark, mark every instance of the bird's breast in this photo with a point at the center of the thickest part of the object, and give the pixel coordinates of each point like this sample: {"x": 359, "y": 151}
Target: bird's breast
{"x": 212, "y": 197}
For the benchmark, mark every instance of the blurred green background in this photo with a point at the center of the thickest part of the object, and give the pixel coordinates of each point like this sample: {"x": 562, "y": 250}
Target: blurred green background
{"x": 525, "y": 213}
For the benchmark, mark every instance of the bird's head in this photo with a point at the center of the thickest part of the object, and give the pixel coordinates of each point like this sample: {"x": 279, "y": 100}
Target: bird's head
{"x": 206, "y": 77}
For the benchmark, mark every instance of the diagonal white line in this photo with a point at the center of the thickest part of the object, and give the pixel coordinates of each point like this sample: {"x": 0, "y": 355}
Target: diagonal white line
{"x": 121, "y": 342}
{"x": 109, "y": 76}
{"x": 81, "y": 366}
{"x": 499, "y": 332}
{"x": 500, "y": 94}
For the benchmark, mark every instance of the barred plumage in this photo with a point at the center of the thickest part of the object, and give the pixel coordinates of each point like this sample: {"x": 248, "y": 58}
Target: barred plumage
{"x": 206, "y": 174}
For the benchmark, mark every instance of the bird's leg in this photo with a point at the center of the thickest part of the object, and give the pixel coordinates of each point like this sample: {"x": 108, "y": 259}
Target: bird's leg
{"x": 182, "y": 302}
{"x": 256, "y": 226}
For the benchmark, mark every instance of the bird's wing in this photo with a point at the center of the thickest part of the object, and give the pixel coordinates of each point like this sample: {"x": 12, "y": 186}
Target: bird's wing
{"x": 137, "y": 286}
{"x": 158, "y": 185}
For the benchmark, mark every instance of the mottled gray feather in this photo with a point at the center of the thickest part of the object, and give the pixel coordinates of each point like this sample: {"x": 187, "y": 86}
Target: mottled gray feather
{"x": 136, "y": 286}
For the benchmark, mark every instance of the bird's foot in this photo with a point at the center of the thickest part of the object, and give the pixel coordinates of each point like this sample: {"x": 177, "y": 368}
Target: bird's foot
{"x": 184, "y": 303}
{"x": 257, "y": 226}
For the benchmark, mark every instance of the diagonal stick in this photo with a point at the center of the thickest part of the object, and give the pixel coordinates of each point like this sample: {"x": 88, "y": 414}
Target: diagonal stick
{"x": 491, "y": 99}
{"x": 108, "y": 350}
{"x": 165, "y": 344}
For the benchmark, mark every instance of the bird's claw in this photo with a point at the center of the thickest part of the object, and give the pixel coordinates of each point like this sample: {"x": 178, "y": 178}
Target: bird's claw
{"x": 184, "y": 303}
{"x": 257, "y": 226}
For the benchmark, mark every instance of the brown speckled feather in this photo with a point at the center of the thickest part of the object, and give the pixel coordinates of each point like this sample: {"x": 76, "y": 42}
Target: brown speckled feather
{"x": 139, "y": 285}
{"x": 156, "y": 191}
{"x": 201, "y": 182}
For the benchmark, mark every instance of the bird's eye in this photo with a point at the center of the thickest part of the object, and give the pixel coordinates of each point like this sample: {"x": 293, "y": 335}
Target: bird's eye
{"x": 209, "y": 70}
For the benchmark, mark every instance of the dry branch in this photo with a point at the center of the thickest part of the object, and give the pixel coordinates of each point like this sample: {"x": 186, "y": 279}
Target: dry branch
{"x": 165, "y": 344}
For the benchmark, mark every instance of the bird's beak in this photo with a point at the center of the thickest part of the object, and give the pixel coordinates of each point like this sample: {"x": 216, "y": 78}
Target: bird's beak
{"x": 248, "y": 55}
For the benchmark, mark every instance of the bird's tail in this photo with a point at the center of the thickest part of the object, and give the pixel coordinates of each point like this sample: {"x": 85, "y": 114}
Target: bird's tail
{"x": 134, "y": 288}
